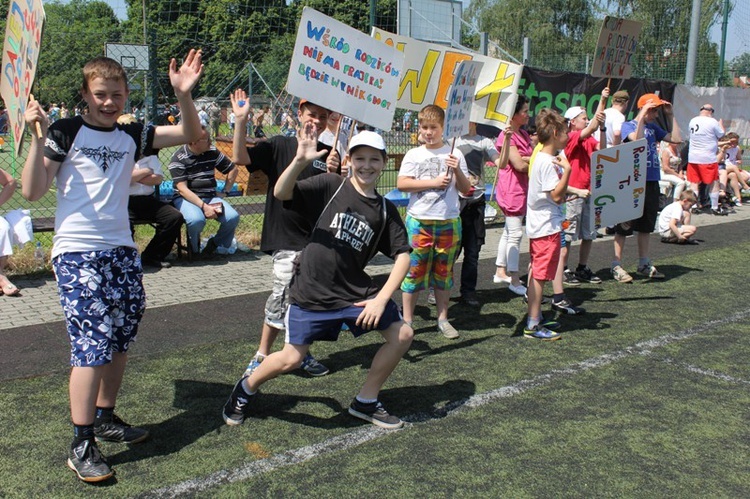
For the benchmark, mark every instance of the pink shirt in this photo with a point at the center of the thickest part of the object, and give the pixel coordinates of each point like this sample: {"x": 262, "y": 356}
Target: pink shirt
{"x": 512, "y": 185}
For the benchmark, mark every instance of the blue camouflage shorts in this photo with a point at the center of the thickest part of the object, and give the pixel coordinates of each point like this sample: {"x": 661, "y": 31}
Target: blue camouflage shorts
{"x": 102, "y": 296}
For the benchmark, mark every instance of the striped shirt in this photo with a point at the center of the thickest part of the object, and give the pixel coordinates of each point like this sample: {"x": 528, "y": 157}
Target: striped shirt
{"x": 198, "y": 170}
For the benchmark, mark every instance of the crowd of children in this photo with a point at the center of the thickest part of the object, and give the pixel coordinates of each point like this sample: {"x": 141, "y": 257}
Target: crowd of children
{"x": 323, "y": 227}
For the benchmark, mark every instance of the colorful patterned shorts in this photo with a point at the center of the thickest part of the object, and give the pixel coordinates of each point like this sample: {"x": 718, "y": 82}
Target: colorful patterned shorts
{"x": 435, "y": 246}
{"x": 102, "y": 296}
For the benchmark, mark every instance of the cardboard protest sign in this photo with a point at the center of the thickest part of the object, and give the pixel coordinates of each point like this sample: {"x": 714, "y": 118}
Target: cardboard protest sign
{"x": 428, "y": 74}
{"x": 461, "y": 99}
{"x": 618, "y": 183}
{"x": 344, "y": 70}
{"x": 23, "y": 37}
{"x": 618, "y": 40}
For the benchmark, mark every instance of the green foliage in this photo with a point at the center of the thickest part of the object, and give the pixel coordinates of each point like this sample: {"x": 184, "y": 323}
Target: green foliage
{"x": 73, "y": 34}
{"x": 563, "y": 33}
{"x": 741, "y": 64}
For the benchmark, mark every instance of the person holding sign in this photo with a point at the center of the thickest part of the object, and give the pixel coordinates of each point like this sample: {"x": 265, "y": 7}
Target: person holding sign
{"x": 581, "y": 144}
{"x": 284, "y": 232}
{"x": 99, "y": 276}
{"x": 351, "y": 223}
{"x": 433, "y": 175}
{"x": 477, "y": 150}
{"x": 644, "y": 125}
{"x": 510, "y": 193}
{"x": 544, "y": 217}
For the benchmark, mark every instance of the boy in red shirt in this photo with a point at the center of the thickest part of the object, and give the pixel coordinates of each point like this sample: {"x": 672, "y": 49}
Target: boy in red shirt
{"x": 581, "y": 145}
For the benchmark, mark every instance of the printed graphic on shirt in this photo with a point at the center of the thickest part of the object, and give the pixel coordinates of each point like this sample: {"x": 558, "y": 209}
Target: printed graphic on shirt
{"x": 428, "y": 170}
{"x": 352, "y": 228}
{"x": 102, "y": 156}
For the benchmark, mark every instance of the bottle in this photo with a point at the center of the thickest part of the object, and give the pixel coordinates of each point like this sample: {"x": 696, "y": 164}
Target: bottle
{"x": 39, "y": 255}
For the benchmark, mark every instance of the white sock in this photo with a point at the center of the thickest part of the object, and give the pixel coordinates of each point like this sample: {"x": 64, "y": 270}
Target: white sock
{"x": 714, "y": 196}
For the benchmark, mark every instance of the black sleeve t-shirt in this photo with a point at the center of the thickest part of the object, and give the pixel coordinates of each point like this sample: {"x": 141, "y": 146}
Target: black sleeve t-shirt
{"x": 330, "y": 271}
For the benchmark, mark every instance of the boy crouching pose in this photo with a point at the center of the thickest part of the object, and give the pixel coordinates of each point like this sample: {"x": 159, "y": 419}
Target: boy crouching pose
{"x": 674, "y": 220}
{"x": 351, "y": 223}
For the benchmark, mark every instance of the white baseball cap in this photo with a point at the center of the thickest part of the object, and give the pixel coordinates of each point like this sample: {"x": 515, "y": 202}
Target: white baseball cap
{"x": 573, "y": 112}
{"x": 367, "y": 138}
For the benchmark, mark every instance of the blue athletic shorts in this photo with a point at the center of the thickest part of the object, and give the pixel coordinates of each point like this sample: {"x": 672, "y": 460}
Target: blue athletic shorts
{"x": 303, "y": 326}
{"x": 102, "y": 296}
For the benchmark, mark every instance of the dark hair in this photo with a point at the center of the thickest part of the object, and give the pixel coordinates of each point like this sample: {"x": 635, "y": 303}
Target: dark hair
{"x": 522, "y": 99}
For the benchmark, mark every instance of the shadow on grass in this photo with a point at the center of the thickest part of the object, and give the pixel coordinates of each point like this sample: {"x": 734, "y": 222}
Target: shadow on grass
{"x": 202, "y": 402}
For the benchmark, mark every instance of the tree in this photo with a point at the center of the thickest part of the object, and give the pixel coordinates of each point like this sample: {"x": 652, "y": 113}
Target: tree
{"x": 740, "y": 65}
{"x": 73, "y": 34}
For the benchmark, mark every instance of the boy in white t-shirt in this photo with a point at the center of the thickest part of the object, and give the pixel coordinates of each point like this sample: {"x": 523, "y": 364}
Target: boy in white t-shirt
{"x": 548, "y": 185}
{"x": 433, "y": 175}
{"x": 674, "y": 220}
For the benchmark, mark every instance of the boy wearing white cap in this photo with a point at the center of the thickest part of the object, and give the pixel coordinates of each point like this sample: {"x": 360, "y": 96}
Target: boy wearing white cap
{"x": 351, "y": 223}
{"x": 581, "y": 145}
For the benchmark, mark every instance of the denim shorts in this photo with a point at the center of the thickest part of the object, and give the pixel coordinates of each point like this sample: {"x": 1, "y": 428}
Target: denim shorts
{"x": 102, "y": 296}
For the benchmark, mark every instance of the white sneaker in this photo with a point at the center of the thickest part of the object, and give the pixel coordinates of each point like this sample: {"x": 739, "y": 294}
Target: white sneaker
{"x": 501, "y": 280}
{"x": 520, "y": 290}
{"x": 448, "y": 330}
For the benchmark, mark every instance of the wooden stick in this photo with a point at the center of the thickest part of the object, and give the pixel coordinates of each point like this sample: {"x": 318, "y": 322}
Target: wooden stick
{"x": 335, "y": 143}
{"x": 38, "y": 127}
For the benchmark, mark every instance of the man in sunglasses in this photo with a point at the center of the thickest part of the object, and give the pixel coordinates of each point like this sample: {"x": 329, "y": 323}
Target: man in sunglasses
{"x": 703, "y": 166}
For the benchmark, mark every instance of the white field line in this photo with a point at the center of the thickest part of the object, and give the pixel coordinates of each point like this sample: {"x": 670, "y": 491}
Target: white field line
{"x": 711, "y": 373}
{"x": 369, "y": 433}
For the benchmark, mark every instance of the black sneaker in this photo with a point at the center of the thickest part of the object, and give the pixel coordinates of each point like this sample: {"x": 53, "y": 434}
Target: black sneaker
{"x": 236, "y": 407}
{"x": 586, "y": 275}
{"x": 470, "y": 298}
{"x": 375, "y": 413}
{"x": 566, "y": 307}
{"x": 88, "y": 463}
{"x": 312, "y": 367}
{"x": 118, "y": 430}
{"x": 721, "y": 212}
{"x": 569, "y": 278}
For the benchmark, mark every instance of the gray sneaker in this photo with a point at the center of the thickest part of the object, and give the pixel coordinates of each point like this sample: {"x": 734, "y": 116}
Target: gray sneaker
{"x": 620, "y": 274}
{"x": 375, "y": 413}
{"x": 88, "y": 463}
{"x": 448, "y": 331}
{"x": 650, "y": 272}
{"x": 313, "y": 367}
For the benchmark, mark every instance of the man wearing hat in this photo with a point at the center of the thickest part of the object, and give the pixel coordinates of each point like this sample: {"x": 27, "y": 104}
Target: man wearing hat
{"x": 703, "y": 166}
{"x": 284, "y": 232}
{"x": 614, "y": 117}
{"x": 644, "y": 126}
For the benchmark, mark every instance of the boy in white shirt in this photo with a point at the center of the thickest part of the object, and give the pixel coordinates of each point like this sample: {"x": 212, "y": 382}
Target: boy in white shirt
{"x": 674, "y": 220}
{"x": 548, "y": 185}
{"x": 433, "y": 175}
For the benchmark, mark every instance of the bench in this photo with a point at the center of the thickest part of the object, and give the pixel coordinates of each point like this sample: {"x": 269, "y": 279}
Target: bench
{"x": 47, "y": 224}
{"x": 250, "y": 183}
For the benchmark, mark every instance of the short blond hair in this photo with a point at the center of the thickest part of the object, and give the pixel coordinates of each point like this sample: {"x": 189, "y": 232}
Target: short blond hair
{"x": 431, "y": 114}
{"x": 548, "y": 123}
{"x": 103, "y": 67}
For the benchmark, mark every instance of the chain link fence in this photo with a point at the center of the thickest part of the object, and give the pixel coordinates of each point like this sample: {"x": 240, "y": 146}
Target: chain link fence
{"x": 247, "y": 44}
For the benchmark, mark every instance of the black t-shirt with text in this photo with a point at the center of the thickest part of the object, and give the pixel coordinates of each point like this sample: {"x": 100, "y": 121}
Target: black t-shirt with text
{"x": 282, "y": 229}
{"x": 330, "y": 271}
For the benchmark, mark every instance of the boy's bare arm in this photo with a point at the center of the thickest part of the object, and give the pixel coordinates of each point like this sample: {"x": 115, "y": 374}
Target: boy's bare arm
{"x": 675, "y": 230}
{"x": 183, "y": 80}
{"x": 463, "y": 184}
{"x": 598, "y": 116}
{"x": 558, "y": 194}
{"x": 231, "y": 177}
{"x": 38, "y": 171}
{"x": 8, "y": 184}
{"x": 675, "y": 135}
{"x": 374, "y": 308}
{"x": 307, "y": 152}
{"x": 241, "y": 110}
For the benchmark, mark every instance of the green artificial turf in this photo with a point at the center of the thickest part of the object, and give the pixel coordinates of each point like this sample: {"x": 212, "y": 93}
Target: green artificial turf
{"x": 645, "y": 396}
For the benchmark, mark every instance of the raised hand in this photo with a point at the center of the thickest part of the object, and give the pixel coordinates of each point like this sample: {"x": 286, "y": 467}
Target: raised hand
{"x": 184, "y": 79}
{"x": 307, "y": 144}
{"x": 240, "y": 104}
